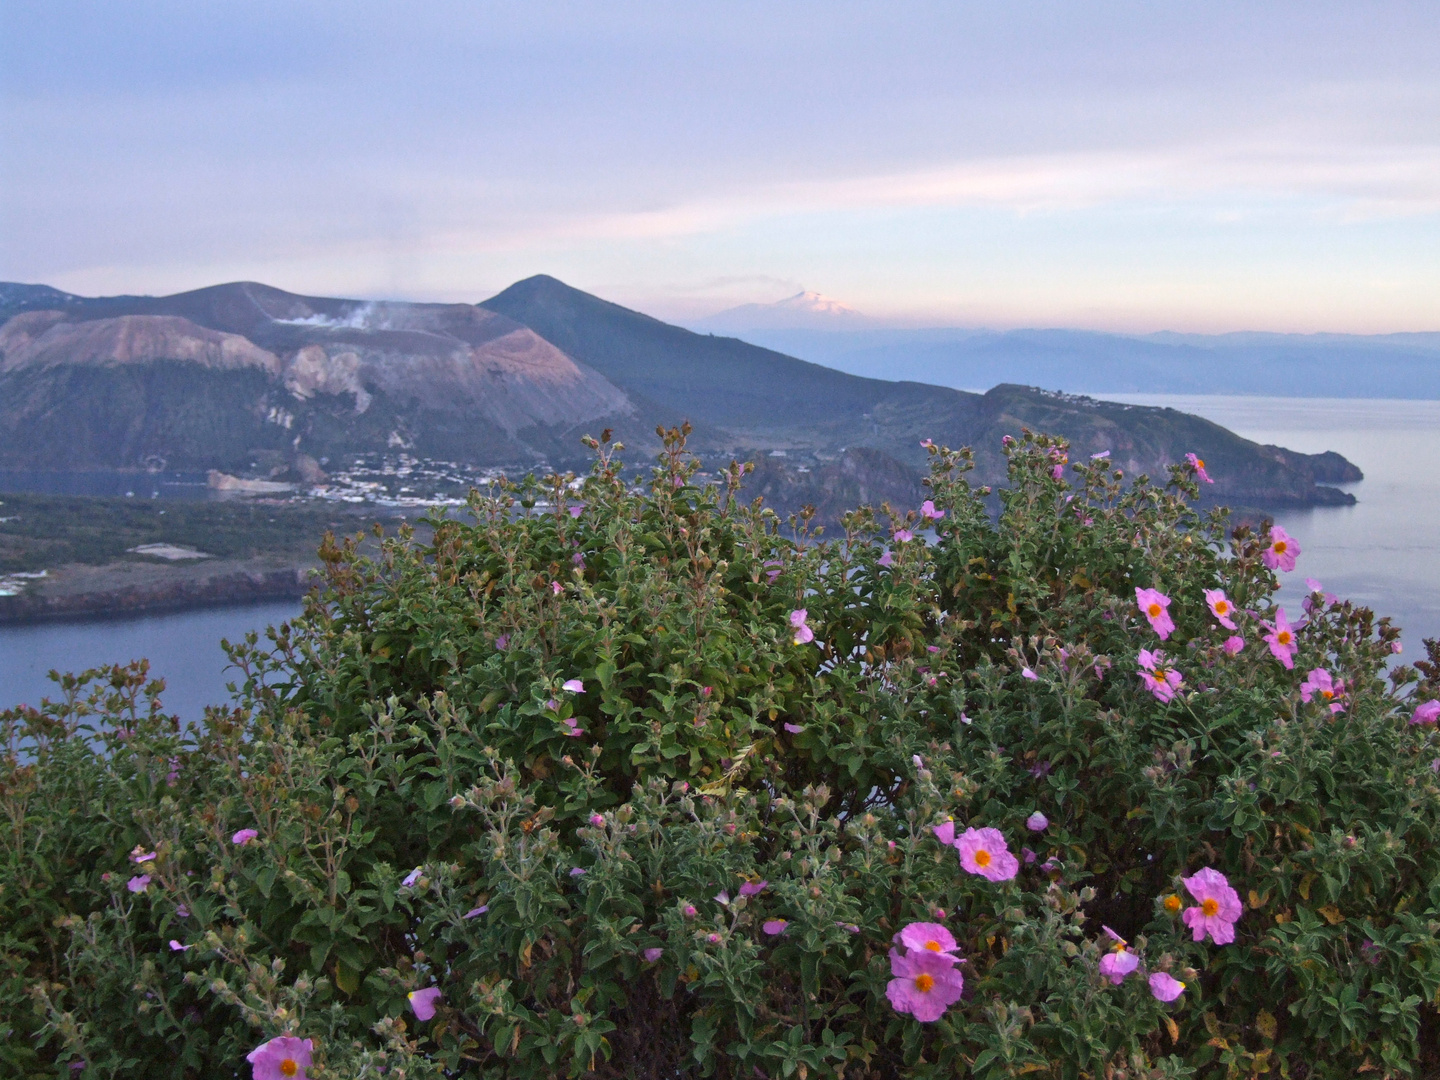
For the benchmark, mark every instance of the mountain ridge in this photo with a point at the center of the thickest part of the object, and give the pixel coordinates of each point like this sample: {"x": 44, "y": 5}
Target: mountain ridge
{"x": 514, "y": 381}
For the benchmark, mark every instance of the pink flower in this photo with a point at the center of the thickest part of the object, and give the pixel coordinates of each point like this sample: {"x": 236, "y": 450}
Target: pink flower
{"x": 1233, "y": 644}
{"x": 887, "y": 559}
{"x": 577, "y": 871}
{"x": 1199, "y": 467}
{"x": 772, "y": 570}
{"x": 423, "y": 1002}
{"x": 928, "y": 511}
{"x": 1427, "y": 712}
{"x": 1281, "y": 639}
{"x": 1160, "y": 679}
{"x": 713, "y": 939}
{"x": 597, "y": 820}
{"x": 1280, "y": 555}
{"x": 1220, "y": 607}
{"x": 1165, "y": 987}
{"x": 902, "y": 535}
{"x": 139, "y": 855}
{"x": 244, "y": 836}
{"x": 139, "y": 883}
{"x": 653, "y": 954}
{"x": 1119, "y": 963}
{"x": 803, "y": 633}
{"x": 578, "y": 559}
{"x": 753, "y": 888}
{"x": 282, "y": 1058}
{"x": 690, "y": 911}
{"x": 774, "y": 926}
{"x": 577, "y": 510}
{"x": 1100, "y": 456}
{"x": 1057, "y": 472}
{"x": 925, "y": 984}
{"x": 502, "y": 642}
{"x": 984, "y": 852}
{"x": 927, "y": 443}
{"x": 175, "y": 946}
{"x": 412, "y": 877}
{"x": 1219, "y": 907}
{"x": 556, "y": 588}
{"x": 794, "y": 729}
{"x": 572, "y": 729}
{"x": 1028, "y": 674}
{"x": 929, "y": 936}
{"x": 1152, "y": 605}
{"x": 1330, "y": 690}
{"x": 182, "y": 911}
{"x": 476, "y": 912}
{"x": 575, "y": 686}
{"x": 1037, "y": 822}
{"x": 944, "y": 832}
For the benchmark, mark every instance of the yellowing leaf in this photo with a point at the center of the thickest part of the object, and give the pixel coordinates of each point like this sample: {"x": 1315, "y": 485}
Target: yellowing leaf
{"x": 1265, "y": 1024}
{"x": 1256, "y": 900}
{"x": 1304, "y": 887}
{"x": 346, "y": 977}
{"x": 1173, "y": 1029}
{"x": 1283, "y": 917}
{"x": 1332, "y": 914}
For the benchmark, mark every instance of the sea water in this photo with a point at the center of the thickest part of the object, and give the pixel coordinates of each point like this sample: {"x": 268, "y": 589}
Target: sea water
{"x": 1383, "y": 552}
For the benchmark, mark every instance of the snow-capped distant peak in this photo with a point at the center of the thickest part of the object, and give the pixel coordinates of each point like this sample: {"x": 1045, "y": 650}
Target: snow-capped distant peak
{"x": 804, "y": 310}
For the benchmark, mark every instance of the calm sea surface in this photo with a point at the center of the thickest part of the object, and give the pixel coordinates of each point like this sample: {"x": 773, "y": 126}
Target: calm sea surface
{"x": 1383, "y": 552}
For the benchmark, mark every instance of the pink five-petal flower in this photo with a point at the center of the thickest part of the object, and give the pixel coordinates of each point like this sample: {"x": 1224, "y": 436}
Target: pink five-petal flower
{"x": 929, "y": 936}
{"x": 1159, "y": 678}
{"x": 1233, "y": 644}
{"x": 1118, "y": 963}
{"x": 577, "y": 510}
{"x": 1281, "y": 639}
{"x": 282, "y": 1058}
{"x": 1028, "y": 674}
{"x": 1218, "y": 906}
{"x": 572, "y": 729}
{"x": 1199, "y": 466}
{"x": 139, "y": 883}
{"x": 244, "y": 836}
{"x": 502, "y": 642}
{"x": 803, "y": 633}
{"x": 794, "y": 729}
{"x": 774, "y": 926}
{"x": 1220, "y": 607}
{"x": 984, "y": 852}
{"x": 887, "y": 559}
{"x": 652, "y": 954}
{"x": 1037, "y": 822}
{"x": 753, "y": 888}
{"x": 1427, "y": 712}
{"x": 175, "y": 946}
{"x": 575, "y": 686}
{"x": 928, "y": 511}
{"x": 902, "y": 535}
{"x": 925, "y": 984}
{"x": 1280, "y": 555}
{"x": 423, "y": 1002}
{"x": 1153, "y": 604}
{"x": 1165, "y": 987}
{"x": 945, "y": 832}
{"x": 1330, "y": 690}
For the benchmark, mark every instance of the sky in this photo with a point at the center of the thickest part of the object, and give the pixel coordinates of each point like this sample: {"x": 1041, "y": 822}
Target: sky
{"x": 1124, "y": 166}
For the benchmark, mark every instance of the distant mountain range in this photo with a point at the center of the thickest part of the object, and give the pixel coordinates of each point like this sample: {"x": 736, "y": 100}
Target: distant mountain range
{"x": 247, "y": 378}
{"x": 1079, "y": 361}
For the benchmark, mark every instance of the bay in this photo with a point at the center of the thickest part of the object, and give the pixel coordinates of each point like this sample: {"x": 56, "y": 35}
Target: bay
{"x": 183, "y": 648}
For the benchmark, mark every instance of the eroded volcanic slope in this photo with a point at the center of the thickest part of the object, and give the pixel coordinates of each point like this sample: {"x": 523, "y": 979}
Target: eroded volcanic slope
{"x": 225, "y": 376}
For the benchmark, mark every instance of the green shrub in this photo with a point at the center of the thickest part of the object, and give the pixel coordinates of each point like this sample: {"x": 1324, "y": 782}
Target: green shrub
{"x": 432, "y": 807}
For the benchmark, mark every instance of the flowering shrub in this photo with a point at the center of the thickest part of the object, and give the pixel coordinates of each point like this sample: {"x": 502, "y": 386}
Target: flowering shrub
{"x": 613, "y": 782}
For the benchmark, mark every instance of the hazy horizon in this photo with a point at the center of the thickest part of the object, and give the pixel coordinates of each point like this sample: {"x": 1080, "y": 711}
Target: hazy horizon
{"x": 1194, "y": 168}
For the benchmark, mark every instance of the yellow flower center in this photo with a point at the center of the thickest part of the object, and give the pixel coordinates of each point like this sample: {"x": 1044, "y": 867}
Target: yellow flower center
{"x": 1283, "y": 637}
{"x": 1221, "y": 607}
{"x": 1279, "y": 547}
{"x": 924, "y": 983}
{"x": 1154, "y": 611}
{"x": 1199, "y": 463}
{"x": 289, "y": 1067}
{"x": 1327, "y": 693}
{"x": 933, "y": 946}
{"x": 1172, "y": 904}
{"x": 982, "y": 857}
{"x": 1210, "y": 907}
